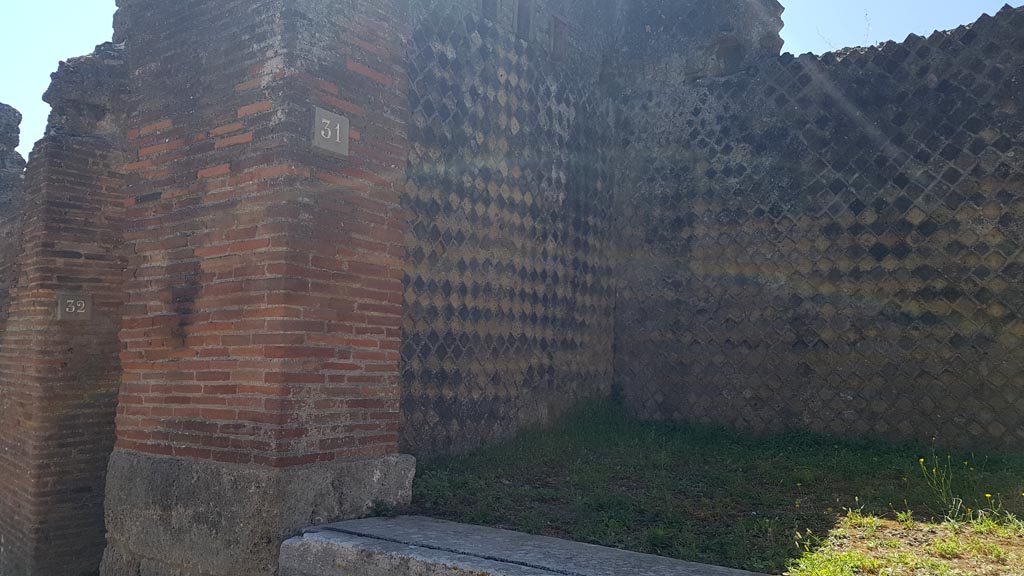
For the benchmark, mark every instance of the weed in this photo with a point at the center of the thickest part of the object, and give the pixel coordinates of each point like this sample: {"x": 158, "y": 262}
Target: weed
{"x": 949, "y": 483}
{"x": 949, "y": 547}
{"x": 978, "y": 548}
{"x": 906, "y": 519}
{"x": 383, "y": 509}
{"x": 892, "y": 544}
{"x": 867, "y": 523}
{"x": 939, "y": 475}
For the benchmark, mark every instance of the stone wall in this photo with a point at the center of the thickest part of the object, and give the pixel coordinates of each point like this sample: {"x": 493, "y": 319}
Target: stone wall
{"x": 540, "y": 199}
{"x": 59, "y": 368}
{"x": 508, "y": 292}
{"x": 831, "y": 243}
{"x": 12, "y": 173}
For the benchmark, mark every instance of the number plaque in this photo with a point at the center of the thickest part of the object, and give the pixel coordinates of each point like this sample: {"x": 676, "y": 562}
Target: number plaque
{"x": 74, "y": 306}
{"x": 330, "y": 132}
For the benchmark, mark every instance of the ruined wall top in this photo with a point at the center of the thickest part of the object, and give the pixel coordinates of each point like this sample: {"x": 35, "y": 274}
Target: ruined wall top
{"x": 679, "y": 41}
{"x": 85, "y": 93}
{"x": 12, "y": 165}
{"x": 10, "y": 120}
{"x": 682, "y": 40}
{"x": 12, "y": 178}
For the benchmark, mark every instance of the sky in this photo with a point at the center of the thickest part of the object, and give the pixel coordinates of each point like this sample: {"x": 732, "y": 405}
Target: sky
{"x": 36, "y": 35}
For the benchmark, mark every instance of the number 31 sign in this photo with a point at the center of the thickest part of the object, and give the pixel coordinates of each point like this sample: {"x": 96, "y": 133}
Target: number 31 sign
{"x": 330, "y": 132}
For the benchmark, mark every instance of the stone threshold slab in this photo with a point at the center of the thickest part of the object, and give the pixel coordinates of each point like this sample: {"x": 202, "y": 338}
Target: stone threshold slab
{"x": 415, "y": 546}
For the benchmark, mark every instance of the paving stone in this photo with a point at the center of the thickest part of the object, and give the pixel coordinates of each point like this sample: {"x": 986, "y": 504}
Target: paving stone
{"x": 411, "y": 546}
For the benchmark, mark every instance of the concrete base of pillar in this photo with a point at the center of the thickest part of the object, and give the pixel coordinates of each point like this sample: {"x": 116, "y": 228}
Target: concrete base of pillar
{"x": 179, "y": 517}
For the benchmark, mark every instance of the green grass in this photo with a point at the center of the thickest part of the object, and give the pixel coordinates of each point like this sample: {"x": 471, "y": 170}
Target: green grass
{"x": 708, "y": 495}
{"x": 878, "y": 547}
{"x": 839, "y": 564}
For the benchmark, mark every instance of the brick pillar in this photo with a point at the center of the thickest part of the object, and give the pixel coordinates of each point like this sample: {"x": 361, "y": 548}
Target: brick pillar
{"x": 261, "y": 330}
{"x": 59, "y": 369}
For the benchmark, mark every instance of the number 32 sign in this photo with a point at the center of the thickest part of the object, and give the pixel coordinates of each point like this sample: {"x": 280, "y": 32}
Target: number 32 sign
{"x": 74, "y": 306}
{"x": 330, "y": 132}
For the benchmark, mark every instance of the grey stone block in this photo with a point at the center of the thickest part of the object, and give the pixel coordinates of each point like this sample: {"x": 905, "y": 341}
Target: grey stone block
{"x": 413, "y": 546}
{"x": 192, "y": 518}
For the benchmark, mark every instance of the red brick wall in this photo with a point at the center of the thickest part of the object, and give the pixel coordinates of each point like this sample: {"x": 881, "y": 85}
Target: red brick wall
{"x": 262, "y": 317}
{"x": 59, "y": 378}
{"x": 351, "y": 224}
